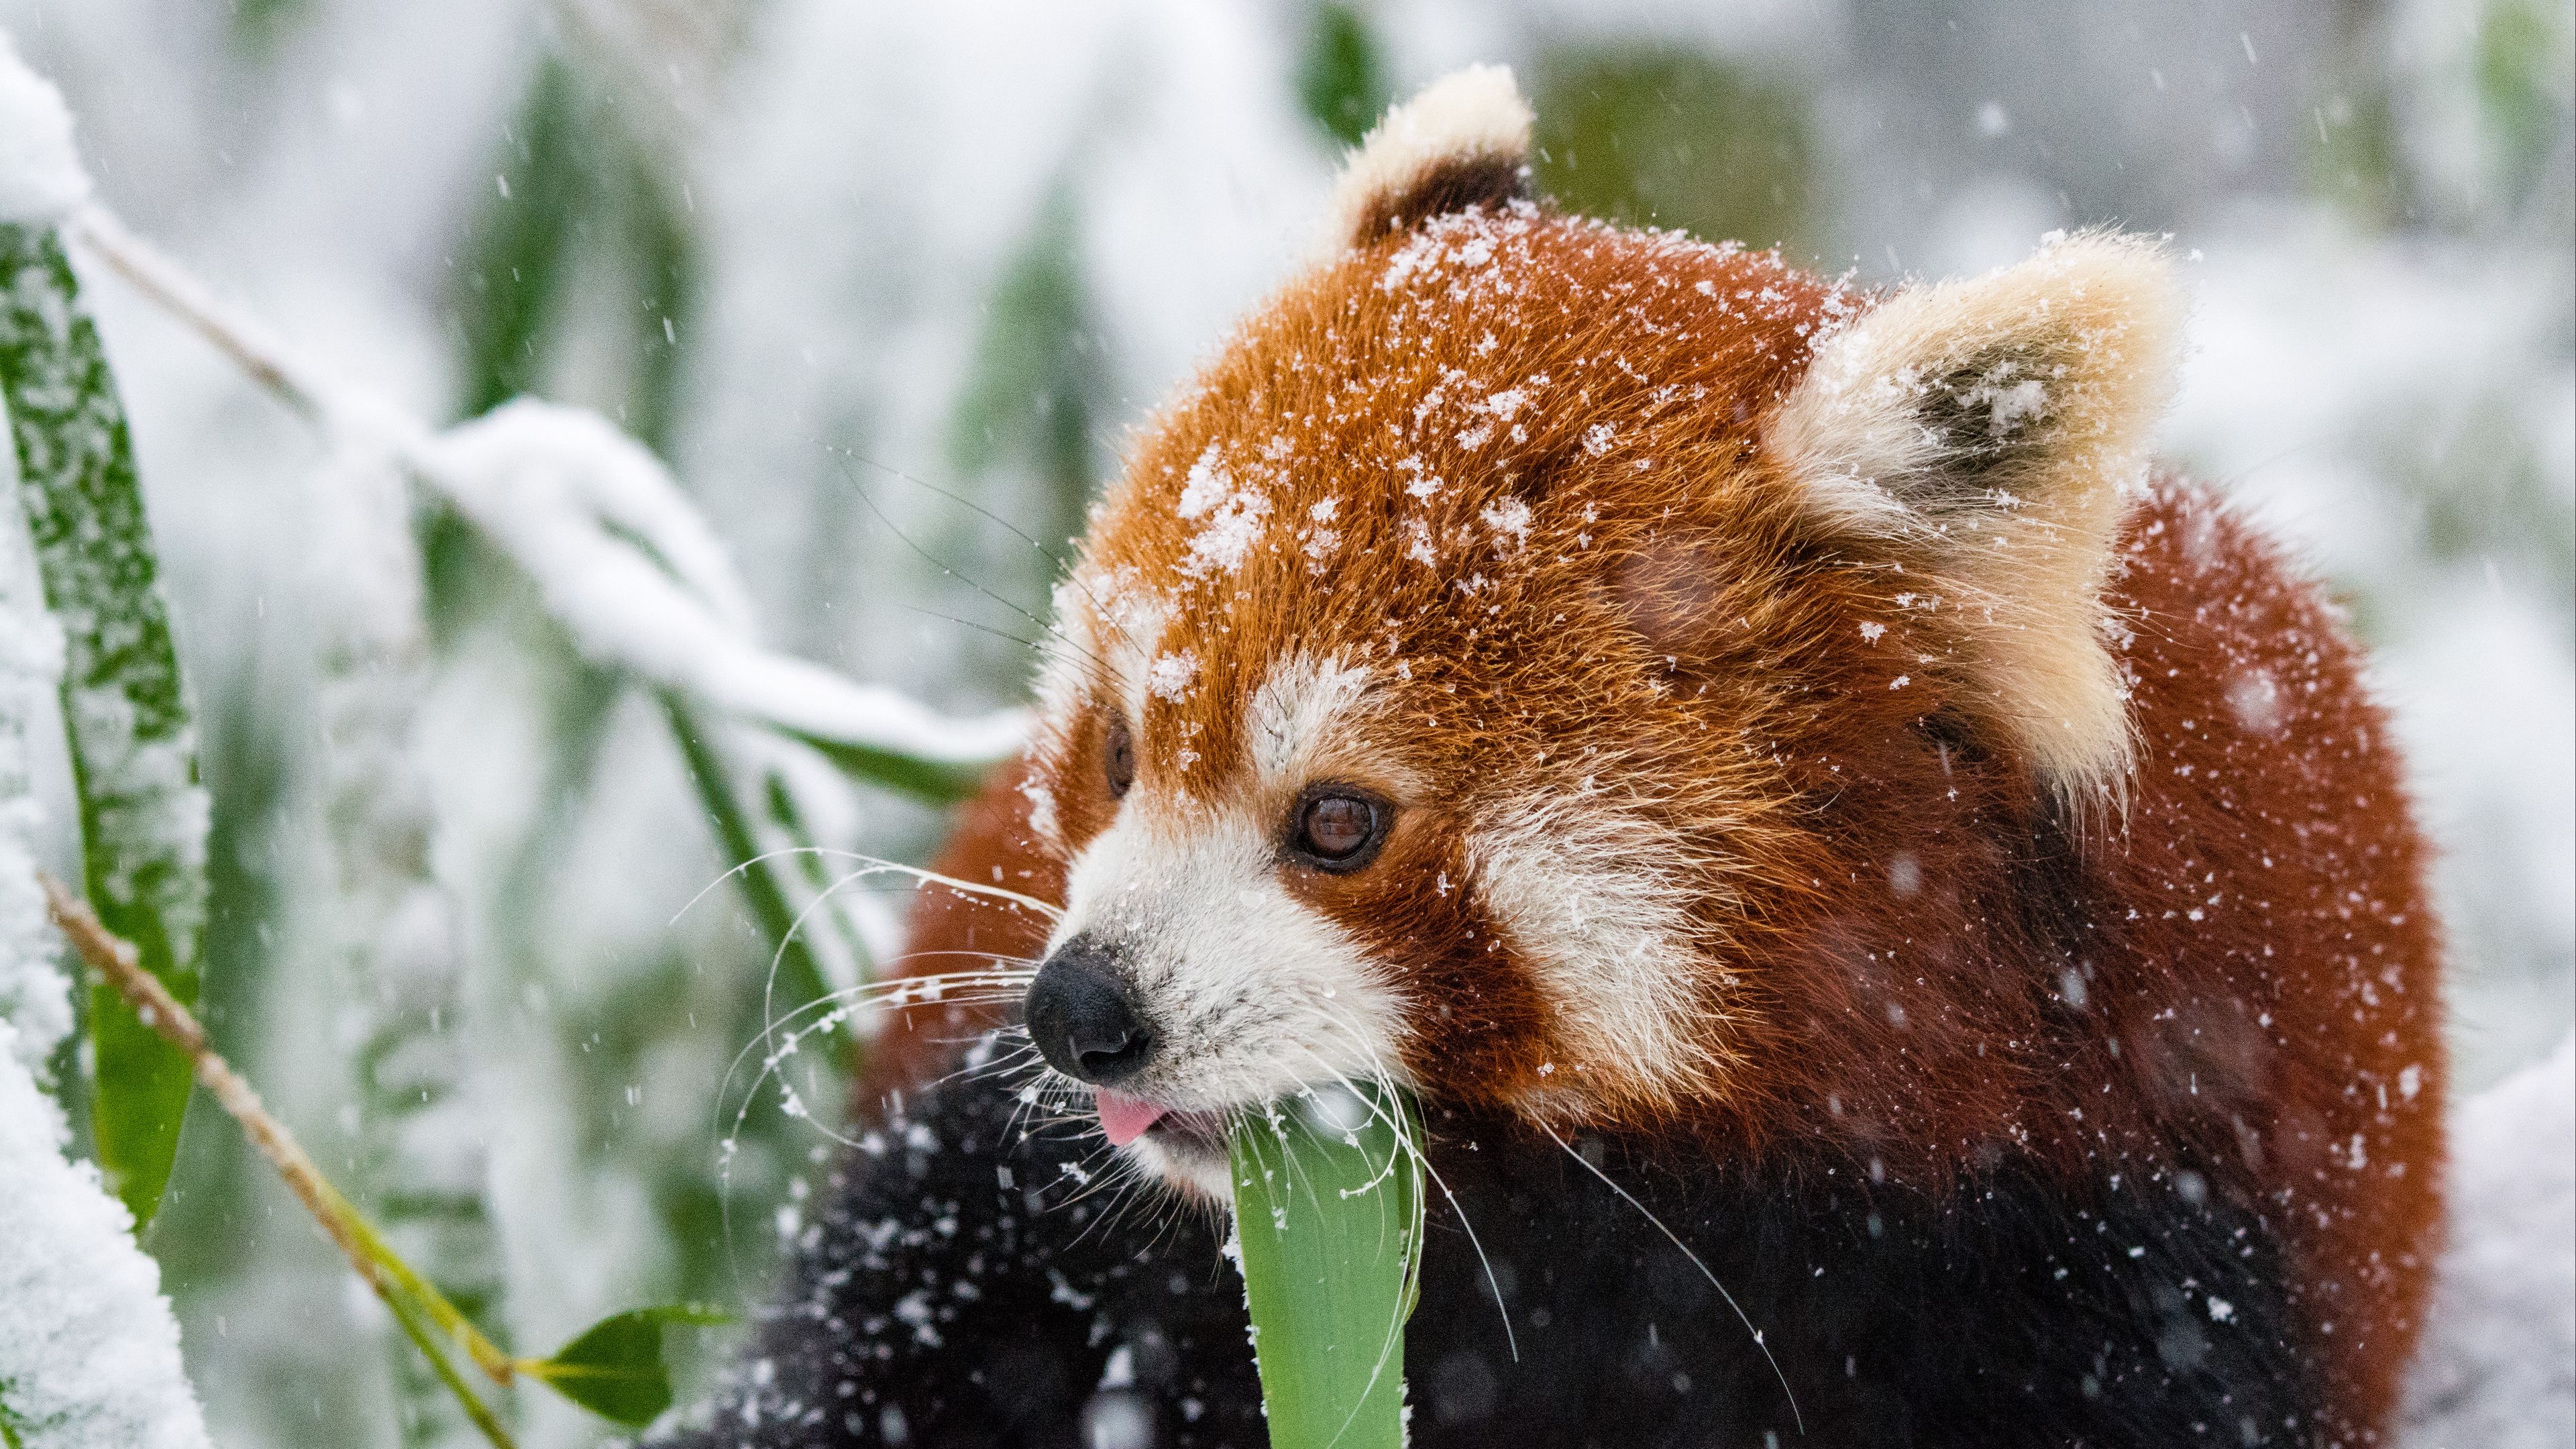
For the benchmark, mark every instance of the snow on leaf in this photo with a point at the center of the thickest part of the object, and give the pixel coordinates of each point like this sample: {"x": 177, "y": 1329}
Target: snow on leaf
{"x": 133, "y": 739}
{"x": 625, "y": 563}
{"x": 35, "y": 995}
{"x": 40, "y": 173}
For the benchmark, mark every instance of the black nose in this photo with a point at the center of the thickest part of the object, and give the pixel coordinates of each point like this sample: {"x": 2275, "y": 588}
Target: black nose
{"x": 1081, "y": 1019}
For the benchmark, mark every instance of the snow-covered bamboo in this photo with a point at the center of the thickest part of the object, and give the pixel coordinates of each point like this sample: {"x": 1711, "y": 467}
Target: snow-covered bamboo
{"x": 621, "y": 557}
{"x": 143, "y": 816}
{"x": 89, "y": 1354}
{"x": 35, "y": 997}
{"x": 421, "y": 1158}
{"x": 40, "y": 174}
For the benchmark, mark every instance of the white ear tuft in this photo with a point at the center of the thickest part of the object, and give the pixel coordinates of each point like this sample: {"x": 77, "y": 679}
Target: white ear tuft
{"x": 1988, "y": 433}
{"x": 1463, "y": 140}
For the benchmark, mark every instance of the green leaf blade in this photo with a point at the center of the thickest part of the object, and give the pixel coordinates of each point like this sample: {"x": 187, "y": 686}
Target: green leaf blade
{"x": 614, "y": 1368}
{"x": 132, "y": 734}
{"x": 940, "y": 782}
{"x": 799, "y": 977}
{"x": 1341, "y": 77}
{"x": 1328, "y": 1220}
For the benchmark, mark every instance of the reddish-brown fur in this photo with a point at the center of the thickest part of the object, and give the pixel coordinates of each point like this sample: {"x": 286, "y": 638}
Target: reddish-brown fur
{"x": 950, "y": 931}
{"x": 1915, "y": 955}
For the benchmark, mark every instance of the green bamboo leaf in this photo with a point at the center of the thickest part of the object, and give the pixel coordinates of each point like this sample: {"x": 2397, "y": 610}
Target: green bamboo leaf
{"x": 941, "y": 782}
{"x": 615, "y": 1369}
{"x": 800, "y": 976}
{"x": 1328, "y": 1219}
{"x": 821, "y": 875}
{"x": 1341, "y": 77}
{"x": 133, "y": 741}
{"x": 525, "y": 244}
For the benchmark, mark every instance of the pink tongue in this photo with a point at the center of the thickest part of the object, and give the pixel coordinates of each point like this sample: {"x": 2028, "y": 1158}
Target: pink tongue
{"x": 1125, "y": 1119}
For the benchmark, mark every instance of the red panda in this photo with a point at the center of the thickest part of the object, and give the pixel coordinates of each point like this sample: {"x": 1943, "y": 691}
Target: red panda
{"x": 1778, "y": 747}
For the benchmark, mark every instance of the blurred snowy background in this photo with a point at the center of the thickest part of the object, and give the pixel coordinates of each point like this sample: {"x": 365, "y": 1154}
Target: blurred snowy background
{"x": 804, "y": 248}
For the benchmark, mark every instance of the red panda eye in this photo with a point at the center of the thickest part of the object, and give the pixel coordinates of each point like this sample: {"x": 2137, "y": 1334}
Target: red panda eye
{"x": 1337, "y": 831}
{"x": 1118, "y": 758}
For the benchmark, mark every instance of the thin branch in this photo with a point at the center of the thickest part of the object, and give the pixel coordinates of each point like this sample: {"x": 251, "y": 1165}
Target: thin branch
{"x": 264, "y": 357}
{"x": 404, "y": 1292}
{"x": 676, "y": 622}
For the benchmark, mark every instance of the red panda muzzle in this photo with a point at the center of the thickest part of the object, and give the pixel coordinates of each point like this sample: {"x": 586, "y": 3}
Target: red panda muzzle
{"x": 1082, "y": 1018}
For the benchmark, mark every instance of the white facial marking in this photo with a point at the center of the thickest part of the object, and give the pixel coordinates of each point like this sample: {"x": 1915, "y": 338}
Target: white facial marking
{"x": 1104, "y": 616}
{"x": 1604, "y": 931}
{"x": 1252, "y": 993}
{"x": 1206, "y": 1174}
{"x": 1301, "y": 710}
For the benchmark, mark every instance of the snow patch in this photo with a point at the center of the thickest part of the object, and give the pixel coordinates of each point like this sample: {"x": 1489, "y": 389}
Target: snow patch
{"x": 89, "y": 1354}
{"x": 2498, "y": 1364}
{"x": 2255, "y": 698}
{"x": 1233, "y": 517}
{"x": 34, "y": 994}
{"x": 40, "y": 173}
{"x": 1170, "y": 676}
{"x": 1206, "y": 485}
{"x": 1417, "y": 545}
{"x": 1510, "y": 516}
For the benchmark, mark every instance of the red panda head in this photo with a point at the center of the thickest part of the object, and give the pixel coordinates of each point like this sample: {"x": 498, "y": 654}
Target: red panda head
{"x": 1466, "y": 680}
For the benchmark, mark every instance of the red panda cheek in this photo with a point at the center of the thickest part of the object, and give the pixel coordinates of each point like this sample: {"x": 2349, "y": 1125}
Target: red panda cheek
{"x": 1666, "y": 591}
{"x": 1476, "y": 1022}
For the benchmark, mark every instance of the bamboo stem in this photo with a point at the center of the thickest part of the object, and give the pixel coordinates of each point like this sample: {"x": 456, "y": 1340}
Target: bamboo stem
{"x": 267, "y": 360}
{"x": 404, "y": 1292}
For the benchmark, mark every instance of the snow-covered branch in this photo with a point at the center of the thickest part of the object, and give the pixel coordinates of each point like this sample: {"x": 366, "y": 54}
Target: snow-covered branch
{"x": 621, "y": 557}
{"x": 393, "y": 1280}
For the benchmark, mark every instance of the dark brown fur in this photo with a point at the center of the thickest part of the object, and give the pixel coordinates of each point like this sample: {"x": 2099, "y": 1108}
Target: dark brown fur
{"x": 1454, "y": 184}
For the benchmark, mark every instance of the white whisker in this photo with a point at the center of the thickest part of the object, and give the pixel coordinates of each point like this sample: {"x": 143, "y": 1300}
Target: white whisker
{"x": 1704, "y": 1272}
{"x": 872, "y": 865}
{"x": 1511, "y": 1340}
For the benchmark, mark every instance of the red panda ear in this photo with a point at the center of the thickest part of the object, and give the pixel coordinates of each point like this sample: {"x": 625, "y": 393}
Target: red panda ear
{"x": 1463, "y": 141}
{"x": 1986, "y": 435}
